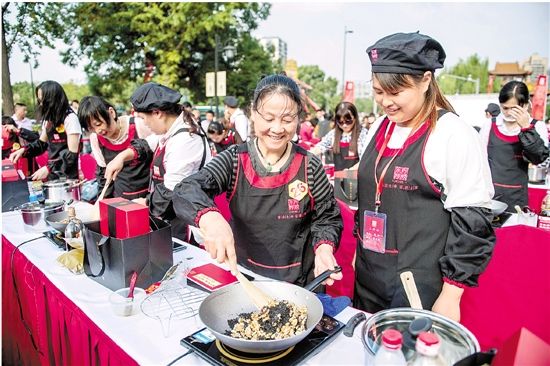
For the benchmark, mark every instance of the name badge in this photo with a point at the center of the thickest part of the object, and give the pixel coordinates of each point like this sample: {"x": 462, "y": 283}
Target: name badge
{"x": 374, "y": 231}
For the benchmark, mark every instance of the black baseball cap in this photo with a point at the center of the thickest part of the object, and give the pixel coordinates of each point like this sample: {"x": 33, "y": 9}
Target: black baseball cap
{"x": 493, "y": 109}
{"x": 154, "y": 96}
{"x": 406, "y": 53}
{"x": 231, "y": 101}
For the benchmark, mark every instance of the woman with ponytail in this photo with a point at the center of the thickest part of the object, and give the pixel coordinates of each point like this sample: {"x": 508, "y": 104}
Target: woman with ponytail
{"x": 424, "y": 186}
{"x": 179, "y": 148}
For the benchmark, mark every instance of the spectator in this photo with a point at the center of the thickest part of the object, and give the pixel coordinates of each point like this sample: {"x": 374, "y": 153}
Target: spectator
{"x": 236, "y": 116}
{"x": 20, "y": 117}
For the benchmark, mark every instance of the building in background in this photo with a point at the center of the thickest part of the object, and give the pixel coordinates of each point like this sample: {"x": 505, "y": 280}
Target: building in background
{"x": 538, "y": 65}
{"x": 509, "y": 71}
{"x": 277, "y": 46}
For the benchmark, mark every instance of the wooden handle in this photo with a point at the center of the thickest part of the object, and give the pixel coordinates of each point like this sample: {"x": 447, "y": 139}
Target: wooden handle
{"x": 103, "y": 191}
{"x": 407, "y": 279}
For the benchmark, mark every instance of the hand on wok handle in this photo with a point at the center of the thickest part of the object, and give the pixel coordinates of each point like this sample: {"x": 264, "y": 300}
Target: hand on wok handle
{"x": 324, "y": 259}
{"x": 218, "y": 239}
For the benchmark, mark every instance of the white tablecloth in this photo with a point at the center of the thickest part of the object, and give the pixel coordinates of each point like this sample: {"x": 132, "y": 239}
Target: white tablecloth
{"x": 139, "y": 336}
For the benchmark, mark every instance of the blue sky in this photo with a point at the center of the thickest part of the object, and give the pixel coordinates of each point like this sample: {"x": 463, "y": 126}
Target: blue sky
{"x": 314, "y": 32}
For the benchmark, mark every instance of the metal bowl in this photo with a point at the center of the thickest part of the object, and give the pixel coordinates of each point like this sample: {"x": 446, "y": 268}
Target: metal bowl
{"x": 33, "y": 212}
{"x": 55, "y": 220}
{"x": 498, "y": 207}
{"x": 457, "y": 342}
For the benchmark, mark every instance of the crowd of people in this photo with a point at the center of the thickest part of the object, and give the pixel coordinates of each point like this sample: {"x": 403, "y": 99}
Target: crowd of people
{"x": 426, "y": 178}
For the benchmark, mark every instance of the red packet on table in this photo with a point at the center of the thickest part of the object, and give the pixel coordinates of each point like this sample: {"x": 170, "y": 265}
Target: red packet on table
{"x": 122, "y": 219}
{"x": 9, "y": 173}
{"x": 211, "y": 277}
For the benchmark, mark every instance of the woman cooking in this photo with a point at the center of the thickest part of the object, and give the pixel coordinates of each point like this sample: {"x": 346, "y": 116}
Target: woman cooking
{"x": 424, "y": 187}
{"x": 513, "y": 140}
{"x": 60, "y": 135}
{"x": 179, "y": 149}
{"x": 346, "y": 139}
{"x": 111, "y": 135}
{"x": 285, "y": 221}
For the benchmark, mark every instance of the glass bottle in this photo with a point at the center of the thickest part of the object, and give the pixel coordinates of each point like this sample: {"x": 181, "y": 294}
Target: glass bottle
{"x": 544, "y": 216}
{"x": 427, "y": 350}
{"x": 390, "y": 352}
{"x": 73, "y": 231}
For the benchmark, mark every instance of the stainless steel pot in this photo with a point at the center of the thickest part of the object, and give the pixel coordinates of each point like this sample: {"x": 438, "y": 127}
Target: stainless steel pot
{"x": 229, "y": 302}
{"x": 537, "y": 174}
{"x": 457, "y": 342}
{"x": 61, "y": 190}
{"x": 34, "y": 212}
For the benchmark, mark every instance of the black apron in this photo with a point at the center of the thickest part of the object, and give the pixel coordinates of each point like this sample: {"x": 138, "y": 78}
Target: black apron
{"x": 57, "y": 143}
{"x": 344, "y": 160}
{"x": 508, "y": 167}
{"x": 133, "y": 180}
{"x": 416, "y": 226}
{"x": 179, "y": 229}
{"x": 271, "y": 219}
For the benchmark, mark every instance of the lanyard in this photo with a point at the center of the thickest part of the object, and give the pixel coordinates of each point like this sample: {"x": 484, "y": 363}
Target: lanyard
{"x": 380, "y": 182}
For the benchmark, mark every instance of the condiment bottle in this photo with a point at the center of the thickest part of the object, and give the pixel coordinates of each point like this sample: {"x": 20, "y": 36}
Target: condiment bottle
{"x": 427, "y": 350}
{"x": 390, "y": 352}
{"x": 73, "y": 231}
{"x": 544, "y": 216}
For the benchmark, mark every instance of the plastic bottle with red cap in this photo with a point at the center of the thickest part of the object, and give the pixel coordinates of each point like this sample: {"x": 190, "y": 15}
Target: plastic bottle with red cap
{"x": 428, "y": 345}
{"x": 390, "y": 352}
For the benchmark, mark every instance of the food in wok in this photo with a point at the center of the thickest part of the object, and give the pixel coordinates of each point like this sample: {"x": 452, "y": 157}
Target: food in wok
{"x": 277, "y": 320}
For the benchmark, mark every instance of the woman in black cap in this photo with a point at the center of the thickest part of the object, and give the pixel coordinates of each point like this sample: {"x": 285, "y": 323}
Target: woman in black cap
{"x": 60, "y": 135}
{"x": 346, "y": 139}
{"x": 179, "y": 149}
{"x": 285, "y": 221}
{"x": 513, "y": 140}
{"x": 111, "y": 135}
{"x": 424, "y": 187}
{"x": 221, "y": 138}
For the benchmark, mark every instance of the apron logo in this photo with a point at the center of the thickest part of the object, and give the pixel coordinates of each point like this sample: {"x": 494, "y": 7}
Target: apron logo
{"x": 401, "y": 173}
{"x": 156, "y": 170}
{"x": 293, "y": 205}
{"x": 60, "y": 128}
{"x": 15, "y": 146}
{"x": 56, "y": 136}
{"x": 297, "y": 190}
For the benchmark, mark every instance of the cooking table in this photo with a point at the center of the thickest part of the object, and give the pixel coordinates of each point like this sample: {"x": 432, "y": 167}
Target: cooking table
{"x": 72, "y": 323}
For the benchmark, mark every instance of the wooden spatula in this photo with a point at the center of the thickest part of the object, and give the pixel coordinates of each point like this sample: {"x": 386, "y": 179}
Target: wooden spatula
{"x": 407, "y": 279}
{"x": 95, "y": 209}
{"x": 258, "y": 297}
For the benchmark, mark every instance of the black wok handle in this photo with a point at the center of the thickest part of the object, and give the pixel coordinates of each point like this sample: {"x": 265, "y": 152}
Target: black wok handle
{"x": 353, "y": 322}
{"x": 323, "y": 276}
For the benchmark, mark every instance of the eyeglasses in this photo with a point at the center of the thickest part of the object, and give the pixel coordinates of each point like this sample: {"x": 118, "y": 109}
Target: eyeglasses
{"x": 345, "y": 121}
{"x": 212, "y": 132}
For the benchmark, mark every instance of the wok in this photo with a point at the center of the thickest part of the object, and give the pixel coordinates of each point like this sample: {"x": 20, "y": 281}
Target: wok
{"x": 498, "y": 207}
{"x": 55, "y": 220}
{"x": 229, "y": 302}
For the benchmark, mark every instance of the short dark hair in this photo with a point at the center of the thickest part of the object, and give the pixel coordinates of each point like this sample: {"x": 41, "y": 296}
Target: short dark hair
{"x": 210, "y": 111}
{"x": 187, "y": 105}
{"x": 94, "y": 107}
{"x": 20, "y": 104}
{"x": 514, "y": 89}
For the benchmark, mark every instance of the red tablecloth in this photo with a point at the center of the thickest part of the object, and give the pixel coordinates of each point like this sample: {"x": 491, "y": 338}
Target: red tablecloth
{"x": 514, "y": 290}
{"x": 64, "y": 335}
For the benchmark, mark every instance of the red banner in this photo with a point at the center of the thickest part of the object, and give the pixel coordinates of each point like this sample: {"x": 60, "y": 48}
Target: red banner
{"x": 539, "y": 98}
{"x": 349, "y": 92}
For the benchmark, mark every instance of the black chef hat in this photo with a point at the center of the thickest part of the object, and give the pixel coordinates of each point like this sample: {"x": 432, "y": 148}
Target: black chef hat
{"x": 493, "y": 109}
{"x": 406, "y": 53}
{"x": 231, "y": 101}
{"x": 153, "y": 96}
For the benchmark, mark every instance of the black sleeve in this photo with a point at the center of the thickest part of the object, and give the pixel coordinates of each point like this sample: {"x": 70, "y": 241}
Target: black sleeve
{"x": 141, "y": 147}
{"x": 69, "y": 161}
{"x": 35, "y": 148}
{"x": 28, "y": 135}
{"x": 533, "y": 146}
{"x": 469, "y": 246}
{"x": 196, "y": 192}
{"x": 326, "y": 225}
{"x": 160, "y": 202}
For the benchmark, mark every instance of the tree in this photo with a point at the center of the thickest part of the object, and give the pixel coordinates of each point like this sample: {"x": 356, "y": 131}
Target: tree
{"x": 177, "y": 37}
{"x": 36, "y": 25}
{"x": 473, "y": 68}
{"x": 324, "y": 91}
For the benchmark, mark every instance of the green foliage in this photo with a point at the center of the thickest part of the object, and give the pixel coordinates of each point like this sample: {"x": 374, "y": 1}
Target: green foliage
{"x": 364, "y": 105}
{"x": 472, "y": 68}
{"x": 178, "y": 36}
{"x": 324, "y": 91}
{"x": 36, "y": 25}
